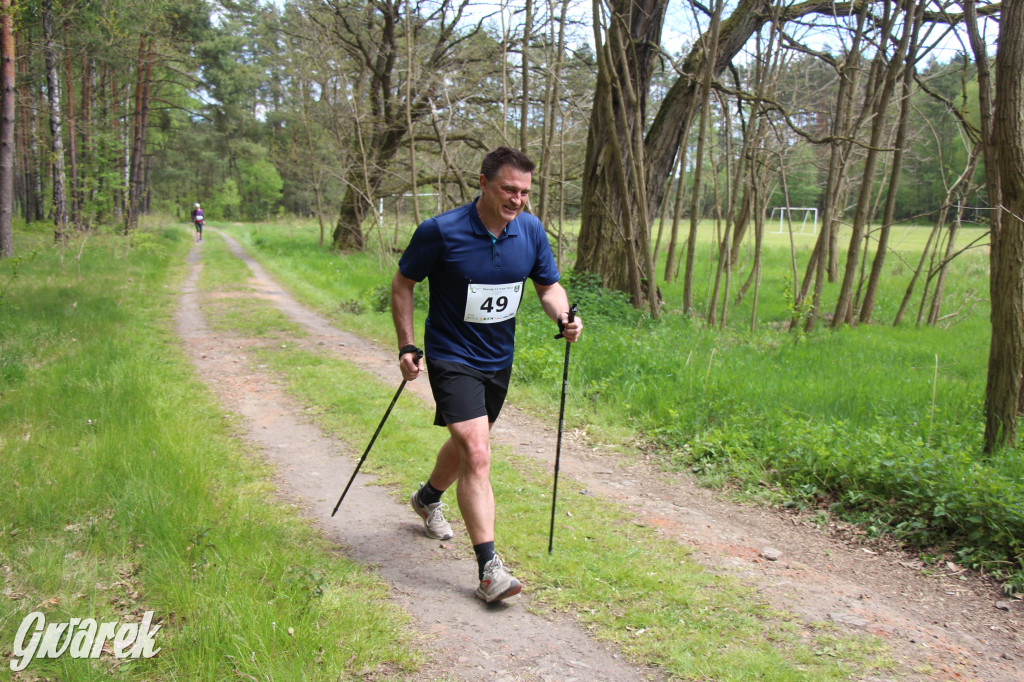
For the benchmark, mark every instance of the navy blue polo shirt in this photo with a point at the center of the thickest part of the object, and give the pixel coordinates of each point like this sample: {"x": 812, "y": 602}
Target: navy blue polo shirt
{"x": 453, "y": 251}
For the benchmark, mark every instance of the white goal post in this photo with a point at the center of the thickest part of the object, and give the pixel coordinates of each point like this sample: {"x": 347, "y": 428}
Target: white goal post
{"x": 403, "y": 197}
{"x": 801, "y": 219}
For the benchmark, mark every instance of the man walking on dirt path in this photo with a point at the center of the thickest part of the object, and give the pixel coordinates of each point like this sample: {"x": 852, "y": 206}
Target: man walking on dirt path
{"x": 476, "y": 258}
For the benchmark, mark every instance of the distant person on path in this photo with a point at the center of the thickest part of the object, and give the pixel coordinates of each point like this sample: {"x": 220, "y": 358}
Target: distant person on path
{"x": 476, "y": 259}
{"x": 197, "y": 220}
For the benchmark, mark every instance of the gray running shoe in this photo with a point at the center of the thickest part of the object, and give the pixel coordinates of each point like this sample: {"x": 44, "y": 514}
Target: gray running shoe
{"x": 433, "y": 517}
{"x": 497, "y": 584}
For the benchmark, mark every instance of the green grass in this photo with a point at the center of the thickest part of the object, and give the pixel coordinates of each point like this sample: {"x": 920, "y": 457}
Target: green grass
{"x": 127, "y": 490}
{"x": 227, "y": 278}
{"x": 618, "y": 576}
{"x": 227, "y": 273}
{"x": 344, "y": 288}
{"x": 880, "y": 424}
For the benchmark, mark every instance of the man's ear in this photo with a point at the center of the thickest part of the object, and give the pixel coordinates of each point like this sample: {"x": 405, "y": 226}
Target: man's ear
{"x": 483, "y": 182}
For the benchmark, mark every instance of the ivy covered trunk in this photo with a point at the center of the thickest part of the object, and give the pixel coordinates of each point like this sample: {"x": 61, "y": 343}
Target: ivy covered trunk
{"x": 348, "y": 232}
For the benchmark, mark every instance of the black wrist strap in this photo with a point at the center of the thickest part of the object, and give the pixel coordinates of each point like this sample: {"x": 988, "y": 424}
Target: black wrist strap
{"x": 410, "y": 349}
{"x": 573, "y": 309}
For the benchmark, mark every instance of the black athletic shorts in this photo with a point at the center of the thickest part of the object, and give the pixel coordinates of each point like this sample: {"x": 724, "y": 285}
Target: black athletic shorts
{"x": 463, "y": 393}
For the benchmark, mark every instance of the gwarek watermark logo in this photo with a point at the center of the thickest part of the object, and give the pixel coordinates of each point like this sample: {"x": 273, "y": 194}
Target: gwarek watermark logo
{"x": 82, "y": 638}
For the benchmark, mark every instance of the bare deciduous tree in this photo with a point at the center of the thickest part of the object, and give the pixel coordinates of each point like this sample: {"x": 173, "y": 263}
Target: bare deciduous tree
{"x": 915, "y": 17}
{"x": 371, "y": 36}
{"x": 605, "y": 242}
{"x": 884, "y": 72}
{"x": 616, "y": 229}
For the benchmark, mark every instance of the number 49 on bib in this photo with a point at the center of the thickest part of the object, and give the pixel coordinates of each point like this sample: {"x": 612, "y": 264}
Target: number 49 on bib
{"x": 490, "y": 303}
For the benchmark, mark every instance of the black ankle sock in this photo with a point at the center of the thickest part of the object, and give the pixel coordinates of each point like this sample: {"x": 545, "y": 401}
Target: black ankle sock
{"x": 484, "y": 553}
{"x": 429, "y": 494}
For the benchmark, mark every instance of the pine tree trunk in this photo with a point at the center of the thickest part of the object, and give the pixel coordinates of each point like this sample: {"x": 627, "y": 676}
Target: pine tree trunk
{"x": 86, "y": 199}
{"x": 74, "y": 216}
{"x": 31, "y": 166}
{"x": 140, "y": 117}
{"x": 38, "y": 205}
{"x": 6, "y": 129}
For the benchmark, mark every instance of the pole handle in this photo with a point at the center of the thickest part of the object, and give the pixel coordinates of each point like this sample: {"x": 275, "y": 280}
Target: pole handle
{"x": 573, "y": 309}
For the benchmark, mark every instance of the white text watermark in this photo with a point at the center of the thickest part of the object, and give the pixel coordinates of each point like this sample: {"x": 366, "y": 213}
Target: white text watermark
{"x": 81, "y": 638}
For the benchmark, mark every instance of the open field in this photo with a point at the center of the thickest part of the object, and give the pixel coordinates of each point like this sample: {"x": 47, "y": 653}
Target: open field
{"x": 168, "y": 515}
{"x": 131, "y": 492}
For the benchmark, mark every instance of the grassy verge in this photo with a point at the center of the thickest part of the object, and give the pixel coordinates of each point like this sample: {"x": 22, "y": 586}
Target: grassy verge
{"x": 126, "y": 490}
{"x": 881, "y": 425}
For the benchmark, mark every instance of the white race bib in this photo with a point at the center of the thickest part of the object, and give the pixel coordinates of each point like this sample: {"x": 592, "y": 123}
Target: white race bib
{"x": 490, "y": 303}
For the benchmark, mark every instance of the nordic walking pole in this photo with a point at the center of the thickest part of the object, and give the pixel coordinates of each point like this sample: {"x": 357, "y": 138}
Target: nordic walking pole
{"x": 419, "y": 354}
{"x": 561, "y": 422}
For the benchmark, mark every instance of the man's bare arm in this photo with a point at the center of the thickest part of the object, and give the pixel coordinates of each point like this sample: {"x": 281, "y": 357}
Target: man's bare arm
{"x": 402, "y": 304}
{"x": 555, "y": 302}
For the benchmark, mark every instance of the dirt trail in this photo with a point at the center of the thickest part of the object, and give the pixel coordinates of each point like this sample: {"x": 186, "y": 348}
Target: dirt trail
{"x": 945, "y": 626}
{"x": 434, "y": 581}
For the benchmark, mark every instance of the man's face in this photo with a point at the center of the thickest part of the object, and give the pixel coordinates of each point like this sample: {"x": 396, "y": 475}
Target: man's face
{"x": 503, "y": 197}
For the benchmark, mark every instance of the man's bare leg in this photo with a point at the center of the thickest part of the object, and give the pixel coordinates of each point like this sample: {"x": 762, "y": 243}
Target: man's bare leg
{"x": 466, "y": 457}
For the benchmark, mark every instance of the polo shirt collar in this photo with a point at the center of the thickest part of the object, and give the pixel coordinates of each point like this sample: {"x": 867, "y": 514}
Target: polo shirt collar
{"x": 511, "y": 230}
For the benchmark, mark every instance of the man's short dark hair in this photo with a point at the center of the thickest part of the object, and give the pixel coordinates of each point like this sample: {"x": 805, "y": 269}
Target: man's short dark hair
{"x": 505, "y": 156}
